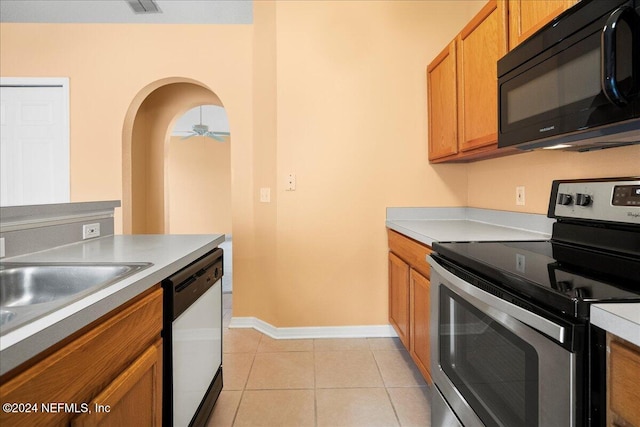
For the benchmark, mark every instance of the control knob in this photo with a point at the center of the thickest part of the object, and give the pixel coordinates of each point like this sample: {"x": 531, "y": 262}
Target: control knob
{"x": 583, "y": 199}
{"x": 564, "y": 199}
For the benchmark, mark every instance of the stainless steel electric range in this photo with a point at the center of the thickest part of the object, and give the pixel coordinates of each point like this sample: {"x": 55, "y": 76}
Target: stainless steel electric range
{"x": 512, "y": 344}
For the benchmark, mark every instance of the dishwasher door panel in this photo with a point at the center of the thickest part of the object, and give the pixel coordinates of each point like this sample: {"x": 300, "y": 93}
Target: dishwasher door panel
{"x": 197, "y": 353}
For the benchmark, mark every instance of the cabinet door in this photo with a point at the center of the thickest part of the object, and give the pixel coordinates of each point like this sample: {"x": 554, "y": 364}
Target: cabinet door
{"x": 420, "y": 323}
{"x": 399, "y": 297}
{"x": 442, "y": 92}
{"x": 480, "y": 44}
{"x": 624, "y": 384}
{"x": 133, "y": 398}
{"x": 78, "y": 370}
{"x": 528, "y": 16}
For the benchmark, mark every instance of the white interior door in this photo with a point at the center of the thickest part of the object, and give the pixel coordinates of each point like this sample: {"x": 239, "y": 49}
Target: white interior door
{"x": 34, "y": 141}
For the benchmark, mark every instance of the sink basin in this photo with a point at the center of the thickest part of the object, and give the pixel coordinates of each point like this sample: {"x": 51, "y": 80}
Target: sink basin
{"x": 30, "y": 290}
{"x": 6, "y": 316}
{"x": 37, "y": 284}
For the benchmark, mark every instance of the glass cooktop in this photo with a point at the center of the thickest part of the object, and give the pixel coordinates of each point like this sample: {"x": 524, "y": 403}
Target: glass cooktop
{"x": 563, "y": 277}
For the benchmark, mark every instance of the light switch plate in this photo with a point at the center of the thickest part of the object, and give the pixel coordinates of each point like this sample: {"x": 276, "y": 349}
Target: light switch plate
{"x": 265, "y": 195}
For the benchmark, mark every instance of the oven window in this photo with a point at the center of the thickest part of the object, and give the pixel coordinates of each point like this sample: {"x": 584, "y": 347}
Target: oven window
{"x": 494, "y": 369}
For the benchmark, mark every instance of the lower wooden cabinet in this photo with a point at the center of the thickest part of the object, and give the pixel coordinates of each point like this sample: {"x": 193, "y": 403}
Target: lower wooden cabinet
{"x": 420, "y": 310}
{"x": 409, "y": 297}
{"x": 109, "y": 374}
{"x": 399, "y": 297}
{"x": 623, "y": 384}
{"x": 133, "y": 398}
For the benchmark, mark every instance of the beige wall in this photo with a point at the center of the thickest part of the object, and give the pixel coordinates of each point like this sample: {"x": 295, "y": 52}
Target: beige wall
{"x": 492, "y": 183}
{"x": 331, "y": 91}
{"x": 253, "y": 291}
{"x": 109, "y": 65}
{"x": 351, "y": 124}
{"x": 199, "y": 180}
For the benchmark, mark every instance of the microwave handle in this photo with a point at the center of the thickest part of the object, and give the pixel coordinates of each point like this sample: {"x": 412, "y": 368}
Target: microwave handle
{"x": 608, "y": 54}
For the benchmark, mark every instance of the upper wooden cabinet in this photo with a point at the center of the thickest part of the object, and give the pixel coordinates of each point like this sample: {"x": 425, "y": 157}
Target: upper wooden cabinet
{"x": 528, "y": 16}
{"x": 442, "y": 99}
{"x": 480, "y": 44}
{"x": 462, "y": 95}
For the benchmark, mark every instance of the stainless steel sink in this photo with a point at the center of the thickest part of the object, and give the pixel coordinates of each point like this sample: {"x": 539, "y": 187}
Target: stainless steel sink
{"x": 6, "y": 316}
{"x": 31, "y": 290}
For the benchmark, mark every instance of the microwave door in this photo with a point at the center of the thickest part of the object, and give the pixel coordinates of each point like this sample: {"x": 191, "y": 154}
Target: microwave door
{"x": 581, "y": 84}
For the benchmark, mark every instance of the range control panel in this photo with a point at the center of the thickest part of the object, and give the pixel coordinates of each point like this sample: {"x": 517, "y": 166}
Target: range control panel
{"x": 599, "y": 200}
{"x": 626, "y": 195}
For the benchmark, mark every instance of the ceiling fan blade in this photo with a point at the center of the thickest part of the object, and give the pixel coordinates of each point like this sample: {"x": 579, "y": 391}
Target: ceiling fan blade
{"x": 189, "y": 136}
{"x": 214, "y": 136}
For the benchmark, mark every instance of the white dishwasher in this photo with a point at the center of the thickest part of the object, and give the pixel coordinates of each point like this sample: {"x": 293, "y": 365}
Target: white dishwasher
{"x": 192, "y": 334}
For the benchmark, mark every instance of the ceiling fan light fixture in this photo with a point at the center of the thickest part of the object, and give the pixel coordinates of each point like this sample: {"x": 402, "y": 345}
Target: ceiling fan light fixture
{"x": 203, "y": 130}
{"x": 200, "y": 129}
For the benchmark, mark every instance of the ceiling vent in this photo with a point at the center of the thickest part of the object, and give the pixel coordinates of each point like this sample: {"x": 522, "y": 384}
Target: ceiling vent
{"x": 144, "y": 6}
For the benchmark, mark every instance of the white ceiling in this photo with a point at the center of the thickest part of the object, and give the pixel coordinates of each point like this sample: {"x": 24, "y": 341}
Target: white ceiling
{"x": 213, "y": 116}
{"x": 119, "y": 11}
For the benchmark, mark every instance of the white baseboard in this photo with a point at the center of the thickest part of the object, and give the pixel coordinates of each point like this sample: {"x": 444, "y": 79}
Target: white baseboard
{"x": 365, "y": 331}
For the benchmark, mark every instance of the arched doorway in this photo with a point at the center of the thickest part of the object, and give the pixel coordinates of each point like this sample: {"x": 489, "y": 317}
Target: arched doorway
{"x": 146, "y": 148}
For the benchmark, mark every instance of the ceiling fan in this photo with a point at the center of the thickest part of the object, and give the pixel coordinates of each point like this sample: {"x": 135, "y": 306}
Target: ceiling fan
{"x": 203, "y": 130}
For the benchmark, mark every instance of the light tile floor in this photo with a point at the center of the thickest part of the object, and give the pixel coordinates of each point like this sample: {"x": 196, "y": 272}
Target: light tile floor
{"x": 321, "y": 382}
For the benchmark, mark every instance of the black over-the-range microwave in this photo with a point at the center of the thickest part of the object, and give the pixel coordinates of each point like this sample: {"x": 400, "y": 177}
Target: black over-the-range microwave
{"x": 574, "y": 84}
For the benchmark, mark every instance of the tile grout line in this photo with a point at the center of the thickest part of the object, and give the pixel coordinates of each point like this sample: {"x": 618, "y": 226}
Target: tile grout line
{"x": 244, "y": 386}
{"x": 386, "y": 390}
{"x": 315, "y": 387}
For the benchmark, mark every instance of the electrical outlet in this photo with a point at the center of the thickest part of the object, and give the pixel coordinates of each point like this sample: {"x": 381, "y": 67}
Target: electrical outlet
{"x": 291, "y": 182}
{"x": 90, "y": 231}
{"x": 520, "y": 195}
{"x": 520, "y": 263}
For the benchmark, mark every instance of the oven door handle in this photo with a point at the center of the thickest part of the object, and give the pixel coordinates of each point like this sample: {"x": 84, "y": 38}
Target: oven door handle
{"x": 530, "y": 319}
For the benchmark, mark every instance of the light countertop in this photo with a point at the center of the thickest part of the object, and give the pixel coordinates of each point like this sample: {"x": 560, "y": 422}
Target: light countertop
{"x": 428, "y": 225}
{"x": 167, "y": 253}
{"x": 622, "y": 320}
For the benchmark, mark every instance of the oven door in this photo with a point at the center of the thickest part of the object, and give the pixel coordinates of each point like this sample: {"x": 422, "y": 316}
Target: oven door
{"x": 491, "y": 363}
